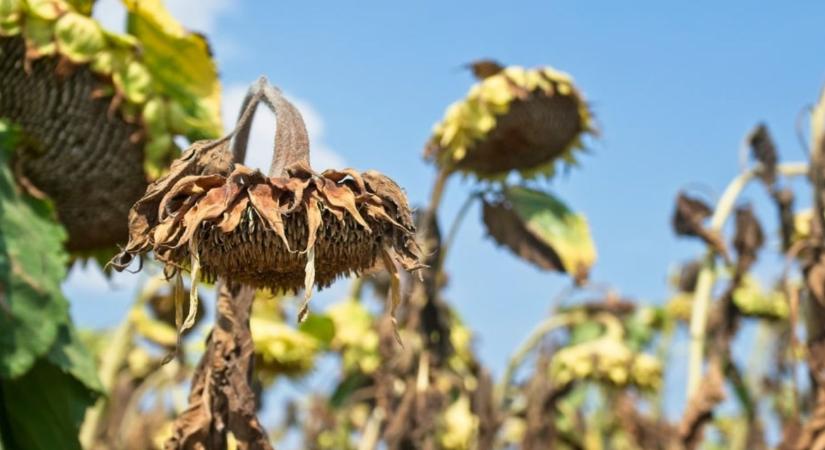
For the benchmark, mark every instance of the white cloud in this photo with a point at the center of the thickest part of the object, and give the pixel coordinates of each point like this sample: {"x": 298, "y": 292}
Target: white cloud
{"x": 262, "y": 136}
{"x": 196, "y": 15}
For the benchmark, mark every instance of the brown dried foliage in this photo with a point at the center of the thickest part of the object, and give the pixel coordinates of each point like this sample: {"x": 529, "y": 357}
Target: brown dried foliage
{"x": 784, "y": 204}
{"x": 764, "y": 150}
{"x": 747, "y": 240}
{"x": 221, "y": 399}
{"x": 508, "y": 229}
{"x": 688, "y": 219}
{"x": 484, "y": 68}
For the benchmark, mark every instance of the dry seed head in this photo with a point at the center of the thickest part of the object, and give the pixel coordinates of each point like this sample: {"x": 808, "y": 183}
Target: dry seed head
{"x": 293, "y": 229}
{"x": 523, "y": 120}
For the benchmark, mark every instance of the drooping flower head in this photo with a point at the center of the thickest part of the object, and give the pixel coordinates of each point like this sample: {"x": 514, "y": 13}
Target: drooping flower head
{"x": 291, "y": 229}
{"x": 513, "y": 119}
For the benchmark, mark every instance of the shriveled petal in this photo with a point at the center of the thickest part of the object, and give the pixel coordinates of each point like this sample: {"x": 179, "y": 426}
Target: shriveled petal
{"x": 341, "y": 197}
{"x": 377, "y": 212}
{"x": 294, "y": 186}
{"x": 313, "y": 208}
{"x": 166, "y": 232}
{"x": 389, "y": 191}
{"x": 212, "y": 205}
{"x": 340, "y": 175}
{"x": 189, "y": 185}
{"x": 265, "y": 201}
{"x": 232, "y": 216}
{"x": 309, "y": 284}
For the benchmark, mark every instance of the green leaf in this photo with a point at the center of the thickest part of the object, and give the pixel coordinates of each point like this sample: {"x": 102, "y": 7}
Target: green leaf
{"x": 543, "y": 230}
{"x": 70, "y": 354}
{"x": 32, "y": 265}
{"x": 181, "y": 65}
{"x": 320, "y": 327}
{"x": 44, "y": 408}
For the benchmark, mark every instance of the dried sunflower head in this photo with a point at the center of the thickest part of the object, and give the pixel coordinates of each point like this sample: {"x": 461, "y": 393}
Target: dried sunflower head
{"x": 100, "y": 109}
{"x": 294, "y": 228}
{"x": 513, "y": 119}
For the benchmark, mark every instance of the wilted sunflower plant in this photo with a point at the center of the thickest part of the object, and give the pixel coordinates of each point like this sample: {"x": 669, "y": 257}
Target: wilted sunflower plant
{"x": 292, "y": 229}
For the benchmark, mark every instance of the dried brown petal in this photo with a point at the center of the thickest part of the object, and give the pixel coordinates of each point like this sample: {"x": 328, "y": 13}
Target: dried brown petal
{"x": 232, "y": 216}
{"x": 341, "y": 197}
{"x": 266, "y": 204}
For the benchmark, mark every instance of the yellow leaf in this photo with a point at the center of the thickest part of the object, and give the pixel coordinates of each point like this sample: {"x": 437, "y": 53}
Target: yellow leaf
{"x": 11, "y": 11}
{"x": 39, "y": 36}
{"x": 47, "y": 9}
{"x": 79, "y": 38}
{"x": 181, "y": 65}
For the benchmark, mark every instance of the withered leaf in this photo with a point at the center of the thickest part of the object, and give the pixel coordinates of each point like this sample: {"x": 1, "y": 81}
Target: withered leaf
{"x": 764, "y": 150}
{"x": 688, "y": 276}
{"x": 542, "y": 230}
{"x": 688, "y": 218}
{"x": 748, "y": 238}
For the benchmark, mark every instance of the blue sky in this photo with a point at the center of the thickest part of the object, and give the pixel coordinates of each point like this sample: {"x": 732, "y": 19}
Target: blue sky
{"x": 674, "y": 86}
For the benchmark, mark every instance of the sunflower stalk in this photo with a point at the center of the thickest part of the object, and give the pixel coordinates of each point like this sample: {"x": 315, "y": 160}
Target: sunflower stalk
{"x": 704, "y": 285}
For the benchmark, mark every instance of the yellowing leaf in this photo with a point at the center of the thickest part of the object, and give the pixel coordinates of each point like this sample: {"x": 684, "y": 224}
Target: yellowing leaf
{"x": 46, "y": 9}
{"x": 39, "y": 36}
{"x": 134, "y": 81}
{"x": 79, "y": 38}
{"x": 181, "y": 65}
{"x": 541, "y": 229}
{"x": 10, "y": 15}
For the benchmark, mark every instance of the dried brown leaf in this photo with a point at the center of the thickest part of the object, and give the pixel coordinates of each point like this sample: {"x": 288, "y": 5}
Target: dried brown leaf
{"x": 764, "y": 150}
{"x": 688, "y": 218}
{"x": 748, "y": 238}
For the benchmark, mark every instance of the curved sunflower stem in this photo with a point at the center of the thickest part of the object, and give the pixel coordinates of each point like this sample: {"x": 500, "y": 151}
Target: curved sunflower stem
{"x": 705, "y": 282}
{"x": 533, "y": 340}
{"x": 291, "y": 137}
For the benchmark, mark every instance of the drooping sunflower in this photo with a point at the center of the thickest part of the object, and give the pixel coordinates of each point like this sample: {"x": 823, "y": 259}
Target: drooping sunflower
{"x": 294, "y": 228}
{"x": 513, "y": 119}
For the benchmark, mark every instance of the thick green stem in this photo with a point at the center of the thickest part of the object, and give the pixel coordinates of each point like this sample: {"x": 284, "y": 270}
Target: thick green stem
{"x": 704, "y": 285}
